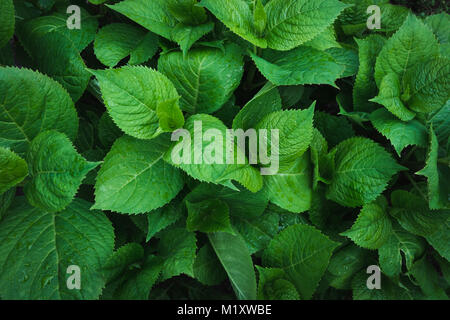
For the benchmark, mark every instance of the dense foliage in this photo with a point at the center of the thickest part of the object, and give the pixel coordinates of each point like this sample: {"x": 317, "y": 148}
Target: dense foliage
{"x": 87, "y": 178}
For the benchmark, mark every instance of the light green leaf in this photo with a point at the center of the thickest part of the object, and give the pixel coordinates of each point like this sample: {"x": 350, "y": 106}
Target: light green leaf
{"x": 412, "y": 44}
{"x": 32, "y": 103}
{"x": 7, "y": 21}
{"x": 400, "y": 241}
{"x": 401, "y": 134}
{"x": 365, "y": 87}
{"x": 324, "y": 40}
{"x": 437, "y": 175}
{"x": 205, "y": 78}
{"x": 266, "y": 101}
{"x": 291, "y": 23}
{"x": 348, "y": 58}
{"x": 207, "y": 267}
{"x": 56, "y": 171}
{"x": 37, "y": 247}
{"x": 237, "y": 262}
{"x": 187, "y": 35}
{"x": 13, "y": 169}
{"x": 412, "y": 213}
{"x": 207, "y": 160}
{"x": 237, "y": 16}
{"x": 362, "y": 172}
{"x": 390, "y": 96}
{"x": 373, "y": 226}
{"x": 273, "y": 284}
{"x": 208, "y": 216}
{"x": 303, "y": 252}
{"x": 303, "y": 65}
{"x": 295, "y": 133}
{"x": 116, "y": 41}
{"x": 132, "y": 96}
{"x": 177, "y": 248}
{"x": 291, "y": 188}
{"x": 134, "y": 178}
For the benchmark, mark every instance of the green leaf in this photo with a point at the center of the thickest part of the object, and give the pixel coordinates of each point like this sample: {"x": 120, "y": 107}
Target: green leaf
{"x": 177, "y": 249}
{"x": 186, "y": 35}
{"x": 116, "y": 41}
{"x": 56, "y": 56}
{"x": 56, "y": 171}
{"x": 57, "y": 22}
{"x": 335, "y": 129}
{"x": 440, "y": 240}
{"x": 437, "y": 175}
{"x": 37, "y": 247}
{"x": 205, "y": 78}
{"x": 208, "y": 216}
{"x": 196, "y": 165}
{"x": 373, "y": 226}
{"x": 266, "y": 101}
{"x": 6, "y": 199}
{"x": 133, "y": 178}
{"x": 132, "y": 96}
{"x": 412, "y": 44}
{"x": 303, "y": 252}
{"x": 441, "y": 123}
{"x": 161, "y": 218}
{"x": 207, "y": 267}
{"x": 259, "y": 18}
{"x": 390, "y": 96}
{"x": 237, "y": 262}
{"x": 400, "y": 242}
{"x": 13, "y": 169}
{"x": 365, "y": 87}
{"x": 413, "y": 214}
{"x": 122, "y": 259}
{"x": 237, "y": 16}
{"x": 428, "y": 279}
{"x": 291, "y": 23}
{"x": 348, "y": 58}
{"x": 295, "y": 133}
{"x": 291, "y": 188}
{"x": 324, "y": 40}
{"x": 362, "y": 172}
{"x": 440, "y": 24}
{"x": 273, "y": 284}
{"x": 187, "y": 11}
{"x": 303, "y": 65}
{"x": 32, "y": 103}
{"x": 7, "y": 21}
{"x": 401, "y": 134}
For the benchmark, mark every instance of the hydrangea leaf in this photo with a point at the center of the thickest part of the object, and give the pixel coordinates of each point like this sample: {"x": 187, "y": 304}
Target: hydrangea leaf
{"x": 237, "y": 262}
{"x": 373, "y": 226}
{"x": 401, "y": 134}
{"x": 177, "y": 248}
{"x": 390, "y": 96}
{"x": 303, "y": 252}
{"x": 161, "y": 218}
{"x": 335, "y": 129}
{"x": 441, "y": 123}
{"x": 208, "y": 216}
{"x": 13, "y": 169}
{"x": 440, "y": 240}
{"x": 207, "y": 267}
{"x": 205, "y": 78}
{"x": 132, "y": 96}
{"x": 440, "y": 24}
{"x": 303, "y": 65}
{"x": 437, "y": 175}
{"x": 32, "y": 103}
{"x": 412, "y": 44}
{"x": 7, "y": 21}
{"x": 273, "y": 284}
{"x": 56, "y": 171}
{"x": 428, "y": 278}
{"x": 348, "y": 58}
{"x": 187, "y": 35}
{"x": 362, "y": 172}
{"x": 291, "y": 23}
{"x": 400, "y": 241}
{"x": 132, "y": 177}
{"x": 198, "y": 157}
{"x": 116, "y": 41}
{"x": 187, "y": 11}
{"x": 37, "y": 247}
{"x": 324, "y": 40}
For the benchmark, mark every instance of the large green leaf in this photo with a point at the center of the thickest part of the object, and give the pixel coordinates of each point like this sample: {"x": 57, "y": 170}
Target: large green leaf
{"x": 13, "y": 169}
{"x": 135, "y": 179}
{"x": 362, "y": 172}
{"x": 37, "y": 247}
{"x": 135, "y": 95}
{"x": 205, "y": 78}
{"x": 303, "y": 252}
{"x": 291, "y": 23}
{"x": 56, "y": 171}
{"x": 303, "y": 65}
{"x": 32, "y": 103}
{"x": 237, "y": 262}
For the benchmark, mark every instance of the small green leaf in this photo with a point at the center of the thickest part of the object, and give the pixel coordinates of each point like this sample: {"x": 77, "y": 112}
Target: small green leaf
{"x": 208, "y": 216}
{"x": 13, "y": 169}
